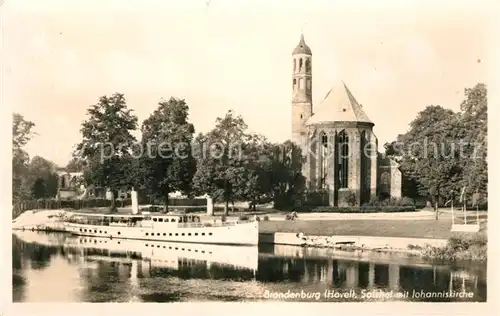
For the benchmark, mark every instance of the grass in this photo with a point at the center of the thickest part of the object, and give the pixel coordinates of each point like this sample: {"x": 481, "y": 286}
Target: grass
{"x": 431, "y": 228}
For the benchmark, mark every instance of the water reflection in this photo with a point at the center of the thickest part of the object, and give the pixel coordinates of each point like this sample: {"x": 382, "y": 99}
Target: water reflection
{"x": 59, "y": 267}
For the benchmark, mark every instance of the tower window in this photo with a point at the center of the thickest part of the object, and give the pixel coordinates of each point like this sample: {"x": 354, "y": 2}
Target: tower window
{"x": 301, "y": 116}
{"x": 301, "y": 83}
{"x": 308, "y": 65}
{"x": 300, "y": 64}
{"x": 294, "y": 65}
{"x": 294, "y": 83}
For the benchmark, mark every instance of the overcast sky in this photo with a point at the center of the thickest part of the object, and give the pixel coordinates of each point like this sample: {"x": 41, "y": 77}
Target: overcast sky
{"x": 396, "y": 57}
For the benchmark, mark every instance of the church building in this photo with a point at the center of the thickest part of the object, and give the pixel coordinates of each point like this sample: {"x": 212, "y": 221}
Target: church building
{"x": 337, "y": 141}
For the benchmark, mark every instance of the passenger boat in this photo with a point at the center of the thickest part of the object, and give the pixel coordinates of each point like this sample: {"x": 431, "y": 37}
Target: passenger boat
{"x": 165, "y": 227}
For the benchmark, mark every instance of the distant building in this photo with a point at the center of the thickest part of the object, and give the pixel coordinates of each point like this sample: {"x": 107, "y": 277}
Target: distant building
{"x": 337, "y": 141}
{"x": 70, "y": 185}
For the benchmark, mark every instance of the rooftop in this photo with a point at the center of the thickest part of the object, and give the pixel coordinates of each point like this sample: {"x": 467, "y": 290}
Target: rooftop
{"x": 339, "y": 105}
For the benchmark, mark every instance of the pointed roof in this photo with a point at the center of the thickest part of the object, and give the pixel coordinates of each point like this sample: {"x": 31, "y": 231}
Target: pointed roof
{"x": 339, "y": 105}
{"x": 302, "y": 47}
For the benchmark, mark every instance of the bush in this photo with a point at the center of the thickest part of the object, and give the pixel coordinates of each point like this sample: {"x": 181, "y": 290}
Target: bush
{"x": 381, "y": 201}
{"x": 357, "y": 209}
{"x": 460, "y": 247}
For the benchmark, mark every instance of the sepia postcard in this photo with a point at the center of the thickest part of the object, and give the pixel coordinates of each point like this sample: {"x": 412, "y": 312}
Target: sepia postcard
{"x": 256, "y": 152}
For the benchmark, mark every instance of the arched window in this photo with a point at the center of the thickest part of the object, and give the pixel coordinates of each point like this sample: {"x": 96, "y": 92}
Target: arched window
{"x": 364, "y": 168}
{"x": 294, "y": 65}
{"x": 301, "y": 83}
{"x": 300, "y": 64}
{"x": 343, "y": 159}
{"x": 294, "y": 84}
{"x": 324, "y": 160}
{"x": 308, "y": 65}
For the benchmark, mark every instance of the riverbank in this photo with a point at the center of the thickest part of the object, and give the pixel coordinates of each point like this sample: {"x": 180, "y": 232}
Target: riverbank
{"x": 430, "y": 238}
{"x": 425, "y": 228}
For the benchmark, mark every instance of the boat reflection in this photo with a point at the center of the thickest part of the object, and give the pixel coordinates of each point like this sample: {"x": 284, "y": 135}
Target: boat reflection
{"x": 153, "y": 254}
{"x": 129, "y": 270}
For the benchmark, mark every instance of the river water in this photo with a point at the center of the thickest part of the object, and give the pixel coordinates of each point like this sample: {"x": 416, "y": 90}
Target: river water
{"x": 50, "y": 267}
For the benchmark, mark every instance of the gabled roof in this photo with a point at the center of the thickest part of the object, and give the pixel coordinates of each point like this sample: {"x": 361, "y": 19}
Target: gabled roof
{"x": 339, "y": 105}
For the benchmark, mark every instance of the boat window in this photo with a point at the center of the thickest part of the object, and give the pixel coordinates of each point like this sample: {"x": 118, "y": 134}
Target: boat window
{"x": 180, "y": 219}
{"x": 209, "y": 234}
{"x": 160, "y": 219}
{"x": 172, "y": 220}
{"x": 148, "y": 218}
{"x": 154, "y": 219}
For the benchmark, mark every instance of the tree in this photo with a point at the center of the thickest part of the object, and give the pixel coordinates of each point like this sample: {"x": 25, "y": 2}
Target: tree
{"x": 428, "y": 153}
{"x": 75, "y": 165}
{"x": 475, "y": 125}
{"x": 167, "y": 161}
{"x": 43, "y": 178}
{"x": 22, "y": 132}
{"x": 220, "y": 158}
{"x": 287, "y": 180}
{"x": 107, "y": 143}
{"x": 257, "y": 162}
{"x": 443, "y": 151}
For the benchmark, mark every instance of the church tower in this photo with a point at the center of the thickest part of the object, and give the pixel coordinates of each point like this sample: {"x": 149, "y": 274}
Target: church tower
{"x": 302, "y": 91}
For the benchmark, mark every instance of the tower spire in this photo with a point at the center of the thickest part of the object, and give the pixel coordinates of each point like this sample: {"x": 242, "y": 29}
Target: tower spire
{"x": 302, "y": 47}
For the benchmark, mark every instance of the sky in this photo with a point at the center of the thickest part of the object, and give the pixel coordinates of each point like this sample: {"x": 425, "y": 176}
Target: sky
{"x": 396, "y": 57}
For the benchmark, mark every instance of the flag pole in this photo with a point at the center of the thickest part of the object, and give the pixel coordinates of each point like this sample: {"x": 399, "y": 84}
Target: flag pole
{"x": 465, "y": 208}
{"x": 477, "y": 214}
{"x": 477, "y": 207}
{"x": 452, "y": 217}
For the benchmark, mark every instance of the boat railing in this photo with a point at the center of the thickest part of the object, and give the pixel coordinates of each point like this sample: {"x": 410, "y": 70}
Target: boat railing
{"x": 208, "y": 224}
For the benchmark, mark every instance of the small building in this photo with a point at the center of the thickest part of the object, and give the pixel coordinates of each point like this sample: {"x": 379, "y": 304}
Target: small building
{"x": 70, "y": 185}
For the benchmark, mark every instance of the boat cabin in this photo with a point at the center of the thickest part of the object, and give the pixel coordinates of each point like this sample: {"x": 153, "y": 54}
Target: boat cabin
{"x": 134, "y": 219}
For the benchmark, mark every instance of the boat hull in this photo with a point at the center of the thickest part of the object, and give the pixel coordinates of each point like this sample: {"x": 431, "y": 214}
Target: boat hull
{"x": 242, "y": 233}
